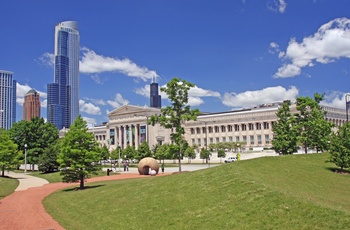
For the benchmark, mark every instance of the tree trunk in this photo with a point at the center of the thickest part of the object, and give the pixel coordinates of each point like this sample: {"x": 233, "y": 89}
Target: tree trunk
{"x": 180, "y": 161}
{"x": 305, "y": 148}
{"x": 82, "y": 181}
{"x": 3, "y": 172}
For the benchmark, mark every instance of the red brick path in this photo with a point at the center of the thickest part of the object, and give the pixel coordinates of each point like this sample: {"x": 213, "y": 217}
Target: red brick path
{"x": 24, "y": 209}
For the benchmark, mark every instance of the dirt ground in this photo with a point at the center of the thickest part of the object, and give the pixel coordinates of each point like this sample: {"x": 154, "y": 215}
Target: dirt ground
{"x": 24, "y": 209}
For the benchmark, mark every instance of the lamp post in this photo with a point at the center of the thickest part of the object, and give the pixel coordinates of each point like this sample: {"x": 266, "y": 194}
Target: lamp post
{"x": 119, "y": 157}
{"x": 347, "y": 105}
{"x": 25, "y": 158}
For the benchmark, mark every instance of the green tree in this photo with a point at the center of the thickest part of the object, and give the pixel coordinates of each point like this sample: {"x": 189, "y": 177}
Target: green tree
{"x": 104, "y": 152}
{"x": 9, "y": 154}
{"x": 190, "y": 153}
{"x": 130, "y": 153}
{"x": 37, "y": 134}
{"x": 48, "y": 159}
{"x": 313, "y": 130}
{"x": 162, "y": 152}
{"x": 221, "y": 154}
{"x": 172, "y": 117}
{"x": 78, "y": 152}
{"x": 143, "y": 151}
{"x": 205, "y": 154}
{"x": 340, "y": 147}
{"x": 285, "y": 140}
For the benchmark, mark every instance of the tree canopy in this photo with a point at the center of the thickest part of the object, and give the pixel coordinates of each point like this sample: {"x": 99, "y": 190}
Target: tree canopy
{"x": 340, "y": 147}
{"x": 9, "y": 154}
{"x": 37, "y": 134}
{"x": 172, "y": 117}
{"x": 78, "y": 153}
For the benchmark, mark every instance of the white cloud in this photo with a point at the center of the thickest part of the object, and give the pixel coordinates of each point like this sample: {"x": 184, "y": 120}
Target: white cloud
{"x": 277, "y": 5}
{"x": 95, "y": 101}
{"x": 90, "y": 121}
{"x": 92, "y": 63}
{"x": 97, "y": 79}
{"x": 274, "y": 47}
{"x": 43, "y": 104}
{"x": 330, "y": 42}
{"x": 89, "y": 108}
{"x": 47, "y": 59}
{"x": 23, "y": 90}
{"x": 194, "y": 94}
{"x": 254, "y": 98}
{"x": 118, "y": 101}
{"x": 335, "y": 99}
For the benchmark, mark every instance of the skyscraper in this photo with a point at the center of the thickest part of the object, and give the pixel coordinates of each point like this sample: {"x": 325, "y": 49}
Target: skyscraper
{"x": 63, "y": 94}
{"x": 155, "y": 98}
{"x": 31, "y": 105}
{"x": 7, "y": 99}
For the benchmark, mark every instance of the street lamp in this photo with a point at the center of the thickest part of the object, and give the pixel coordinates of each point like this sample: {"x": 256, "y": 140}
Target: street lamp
{"x": 25, "y": 158}
{"x": 119, "y": 157}
{"x": 347, "y": 105}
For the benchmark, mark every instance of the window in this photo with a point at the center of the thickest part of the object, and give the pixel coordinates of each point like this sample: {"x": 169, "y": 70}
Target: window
{"x": 211, "y": 140}
{"x": 258, "y": 126}
{"x": 251, "y": 126}
{"x": 237, "y": 139}
{"x": 251, "y": 140}
{"x": 198, "y": 130}
{"x": 266, "y": 125}
{"x": 267, "y": 139}
{"x": 230, "y": 139}
{"x": 229, "y": 127}
{"x": 245, "y": 139}
{"x": 224, "y": 139}
{"x": 259, "y": 139}
{"x": 205, "y": 142}
{"x": 210, "y": 129}
{"x": 204, "y": 130}
{"x": 244, "y": 127}
{"x": 217, "y": 140}
{"x": 236, "y": 128}
{"x": 192, "y": 130}
{"x": 193, "y": 142}
{"x": 217, "y": 129}
{"x": 199, "y": 142}
{"x": 223, "y": 128}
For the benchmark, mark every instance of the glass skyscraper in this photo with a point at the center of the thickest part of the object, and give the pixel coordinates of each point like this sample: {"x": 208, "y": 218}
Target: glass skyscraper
{"x": 8, "y": 88}
{"x": 63, "y": 94}
{"x": 155, "y": 98}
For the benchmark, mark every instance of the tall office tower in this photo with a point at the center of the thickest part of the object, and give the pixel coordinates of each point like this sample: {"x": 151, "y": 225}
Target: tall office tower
{"x": 155, "y": 98}
{"x": 63, "y": 94}
{"x": 7, "y": 99}
{"x": 31, "y": 105}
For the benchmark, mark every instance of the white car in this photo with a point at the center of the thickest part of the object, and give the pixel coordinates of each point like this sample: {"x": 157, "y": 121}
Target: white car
{"x": 231, "y": 159}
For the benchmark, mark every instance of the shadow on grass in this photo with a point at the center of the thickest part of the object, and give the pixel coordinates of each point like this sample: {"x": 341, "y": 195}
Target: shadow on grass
{"x": 86, "y": 187}
{"x": 338, "y": 170}
{"x": 9, "y": 177}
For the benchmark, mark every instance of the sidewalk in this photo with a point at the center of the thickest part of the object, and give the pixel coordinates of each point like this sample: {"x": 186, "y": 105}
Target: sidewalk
{"x": 26, "y": 181}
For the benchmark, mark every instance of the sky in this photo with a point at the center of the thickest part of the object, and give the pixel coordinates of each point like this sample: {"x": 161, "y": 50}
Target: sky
{"x": 238, "y": 53}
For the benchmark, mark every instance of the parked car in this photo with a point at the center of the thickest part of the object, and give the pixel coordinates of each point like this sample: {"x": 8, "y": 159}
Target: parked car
{"x": 231, "y": 159}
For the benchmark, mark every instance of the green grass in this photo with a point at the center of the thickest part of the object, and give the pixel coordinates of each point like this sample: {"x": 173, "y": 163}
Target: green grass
{"x": 7, "y": 186}
{"x": 56, "y": 177}
{"x": 287, "y": 192}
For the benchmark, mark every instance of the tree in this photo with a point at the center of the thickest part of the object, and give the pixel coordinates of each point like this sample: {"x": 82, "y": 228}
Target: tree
{"x": 48, "y": 160}
{"x": 313, "y": 129}
{"x": 78, "y": 153}
{"x": 37, "y": 134}
{"x": 162, "y": 152}
{"x": 9, "y": 154}
{"x": 143, "y": 151}
{"x": 340, "y": 147}
{"x": 130, "y": 153}
{"x": 190, "y": 153}
{"x": 285, "y": 140}
{"x": 221, "y": 154}
{"x": 104, "y": 152}
{"x": 205, "y": 154}
{"x": 172, "y": 117}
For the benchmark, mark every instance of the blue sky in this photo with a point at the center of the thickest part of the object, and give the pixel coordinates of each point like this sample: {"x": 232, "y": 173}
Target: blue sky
{"x": 238, "y": 53}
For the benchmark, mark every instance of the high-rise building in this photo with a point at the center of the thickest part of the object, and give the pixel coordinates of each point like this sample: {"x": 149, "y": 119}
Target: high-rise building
{"x": 31, "y": 105}
{"x": 7, "y": 99}
{"x": 63, "y": 94}
{"x": 155, "y": 98}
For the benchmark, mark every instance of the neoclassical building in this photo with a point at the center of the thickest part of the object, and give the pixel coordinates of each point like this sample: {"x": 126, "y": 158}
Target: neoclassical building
{"x": 127, "y": 125}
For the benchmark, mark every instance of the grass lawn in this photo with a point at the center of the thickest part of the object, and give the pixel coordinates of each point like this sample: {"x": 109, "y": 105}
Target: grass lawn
{"x": 286, "y": 192}
{"x": 7, "y": 186}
